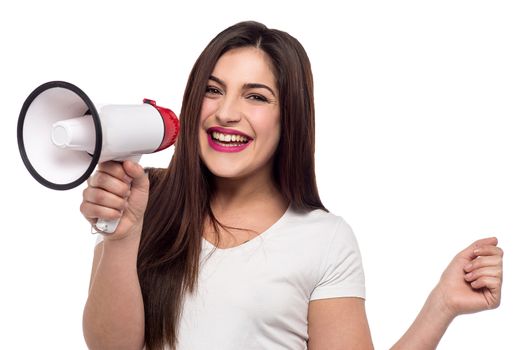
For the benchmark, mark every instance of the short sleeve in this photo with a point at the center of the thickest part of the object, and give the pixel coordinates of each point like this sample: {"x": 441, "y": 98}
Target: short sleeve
{"x": 341, "y": 274}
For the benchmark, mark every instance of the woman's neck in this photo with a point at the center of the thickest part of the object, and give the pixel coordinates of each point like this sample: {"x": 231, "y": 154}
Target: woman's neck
{"x": 246, "y": 193}
{"x": 247, "y": 206}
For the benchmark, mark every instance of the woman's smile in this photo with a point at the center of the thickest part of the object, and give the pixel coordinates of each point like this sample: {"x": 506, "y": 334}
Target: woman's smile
{"x": 227, "y": 140}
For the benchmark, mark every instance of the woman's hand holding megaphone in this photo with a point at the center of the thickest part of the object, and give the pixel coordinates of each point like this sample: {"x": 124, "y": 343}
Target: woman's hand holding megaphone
{"x": 117, "y": 191}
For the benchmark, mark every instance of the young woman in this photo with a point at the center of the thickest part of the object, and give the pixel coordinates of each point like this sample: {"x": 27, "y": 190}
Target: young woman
{"x": 231, "y": 246}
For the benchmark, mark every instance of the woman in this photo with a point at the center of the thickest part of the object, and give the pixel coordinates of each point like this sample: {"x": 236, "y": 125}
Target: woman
{"x": 231, "y": 246}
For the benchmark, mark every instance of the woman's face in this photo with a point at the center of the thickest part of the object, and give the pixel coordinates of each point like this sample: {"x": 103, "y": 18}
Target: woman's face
{"x": 240, "y": 116}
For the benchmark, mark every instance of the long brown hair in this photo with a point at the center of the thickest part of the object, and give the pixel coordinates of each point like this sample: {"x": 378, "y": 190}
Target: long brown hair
{"x": 180, "y": 195}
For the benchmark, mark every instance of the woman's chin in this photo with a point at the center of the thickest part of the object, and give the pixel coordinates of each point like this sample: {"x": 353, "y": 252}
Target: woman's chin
{"x": 226, "y": 173}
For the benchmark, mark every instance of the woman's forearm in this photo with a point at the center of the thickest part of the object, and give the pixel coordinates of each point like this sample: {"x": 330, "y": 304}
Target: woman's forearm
{"x": 429, "y": 326}
{"x": 114, "y": 311}
{"x": 471, "y": 283}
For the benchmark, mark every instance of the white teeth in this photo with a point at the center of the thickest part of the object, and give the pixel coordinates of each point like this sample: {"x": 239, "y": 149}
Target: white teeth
{"x": 228, "y": 137}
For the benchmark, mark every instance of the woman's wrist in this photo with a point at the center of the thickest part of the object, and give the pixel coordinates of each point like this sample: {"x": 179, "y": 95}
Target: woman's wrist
{"x": 133, "y": 234}
{"x": 430, "y": 324}
{"x": 125, "y": 244}
{"x": 437, "y": 304}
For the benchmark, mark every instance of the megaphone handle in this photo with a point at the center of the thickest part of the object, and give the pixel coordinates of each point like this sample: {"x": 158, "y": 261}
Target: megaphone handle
{"x": 109, "y": 226}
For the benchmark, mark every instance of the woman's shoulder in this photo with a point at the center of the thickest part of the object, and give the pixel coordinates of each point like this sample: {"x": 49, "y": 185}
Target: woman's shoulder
{"x": 315, "y": 216}
{"x": 323, "y": 222}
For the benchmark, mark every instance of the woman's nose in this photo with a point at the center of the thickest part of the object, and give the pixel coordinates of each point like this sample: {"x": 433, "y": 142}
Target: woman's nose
{"x": 229, "y": 111}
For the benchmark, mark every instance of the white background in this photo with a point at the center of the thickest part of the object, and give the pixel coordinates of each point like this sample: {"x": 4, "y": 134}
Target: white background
{"x": 420, "y": 141}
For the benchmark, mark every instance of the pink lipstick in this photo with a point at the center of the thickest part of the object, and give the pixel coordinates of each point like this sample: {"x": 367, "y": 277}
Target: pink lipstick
{"x": 227, "y": 140}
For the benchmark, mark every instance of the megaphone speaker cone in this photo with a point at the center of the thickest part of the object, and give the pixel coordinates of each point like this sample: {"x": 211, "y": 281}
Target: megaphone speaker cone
{"x": 55, "y": 167}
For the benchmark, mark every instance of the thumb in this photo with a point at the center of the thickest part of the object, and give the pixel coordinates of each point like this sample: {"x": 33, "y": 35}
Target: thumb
{"x": 137, "y": 174}
{"x": 468, "y": 253}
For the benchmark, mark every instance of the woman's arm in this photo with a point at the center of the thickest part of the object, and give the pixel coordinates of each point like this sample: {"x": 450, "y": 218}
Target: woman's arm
{"x": 472, "y": 282}
{"x": 428, "y": 327}
{"x": 338, "y": 324}
{"x": 114, "y": 311}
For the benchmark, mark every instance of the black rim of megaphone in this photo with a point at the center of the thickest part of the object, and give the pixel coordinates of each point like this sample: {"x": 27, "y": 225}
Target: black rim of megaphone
{"x": 98, "y": 134}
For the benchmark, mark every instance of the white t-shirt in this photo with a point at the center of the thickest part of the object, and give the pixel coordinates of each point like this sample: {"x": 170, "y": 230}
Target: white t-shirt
{"x": 256, "y": 295}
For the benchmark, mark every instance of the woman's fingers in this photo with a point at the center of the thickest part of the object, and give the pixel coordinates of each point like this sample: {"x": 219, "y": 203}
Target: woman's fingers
{"x": 493, "y": 284}
{"x": 93, "y": 211}
{"x": 484, "y": 272}
{"x": 117, "y": 190}
{"x": 104, "y": 198}
{"x": 491, "y": 271}
{"x": 487, "y": 250}
{"x": 107, "y": 192}
{"x": 473, "y": 281}
{"x": 109, "y": 183}
{"x": 469, "y": 252}
{"x": 137, "y": 175}
{"x": 487, "y": 264}
{"x": 483, "y": 261}
{"x": 115, "y": 169}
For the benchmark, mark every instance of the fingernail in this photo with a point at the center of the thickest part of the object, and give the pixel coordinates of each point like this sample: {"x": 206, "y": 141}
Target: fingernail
{"x": 469, "y": 275}
{"x": 476, "y": 251}
{"x": 468, "y": 266}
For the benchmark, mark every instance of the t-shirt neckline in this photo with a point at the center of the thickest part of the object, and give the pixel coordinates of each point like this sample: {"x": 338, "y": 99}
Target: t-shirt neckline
{"x": 263, "y": 234}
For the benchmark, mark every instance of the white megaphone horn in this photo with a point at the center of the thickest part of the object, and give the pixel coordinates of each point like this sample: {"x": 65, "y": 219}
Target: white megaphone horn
{"x": 62, "y": 136}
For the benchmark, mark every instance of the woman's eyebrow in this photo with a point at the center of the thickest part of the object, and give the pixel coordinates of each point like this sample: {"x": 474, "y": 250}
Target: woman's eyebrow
{"x": 245, "y": 86}
{"x": 258, "y": 86}
{"x": 217, "y": 80}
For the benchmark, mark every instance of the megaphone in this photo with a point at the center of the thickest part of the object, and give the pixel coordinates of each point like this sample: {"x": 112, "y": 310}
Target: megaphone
{"x": 62, "y": 136}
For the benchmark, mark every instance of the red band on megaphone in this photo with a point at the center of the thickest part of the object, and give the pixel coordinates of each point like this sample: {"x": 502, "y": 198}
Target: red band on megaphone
{"x": 171, "y": 124}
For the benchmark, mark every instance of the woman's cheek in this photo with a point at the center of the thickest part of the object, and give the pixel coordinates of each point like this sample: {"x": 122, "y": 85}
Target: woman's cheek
{"x": 206, "y": 108}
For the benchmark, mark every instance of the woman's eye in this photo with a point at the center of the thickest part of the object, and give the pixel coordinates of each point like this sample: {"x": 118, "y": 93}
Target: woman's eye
{"x": 212, "y": 90}
{"x": 257, "y": 98}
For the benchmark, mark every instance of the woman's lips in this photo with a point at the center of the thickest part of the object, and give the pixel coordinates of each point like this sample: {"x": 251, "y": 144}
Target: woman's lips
{"x": 226, "y": 131}
{"x": 227, "y": 140}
